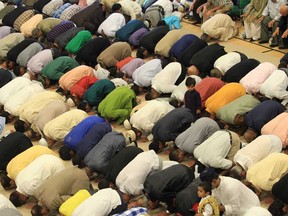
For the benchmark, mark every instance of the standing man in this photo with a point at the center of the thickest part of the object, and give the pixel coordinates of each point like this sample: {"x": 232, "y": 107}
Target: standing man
{"x": 270, "y": 19}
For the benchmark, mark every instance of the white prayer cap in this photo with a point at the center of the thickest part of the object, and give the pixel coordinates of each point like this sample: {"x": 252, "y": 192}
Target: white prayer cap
{"x": 70, "y": 102}
{"x": 130, "y": 135}
{"x": 43, "y": 142}
{"x": 127, "y": 124}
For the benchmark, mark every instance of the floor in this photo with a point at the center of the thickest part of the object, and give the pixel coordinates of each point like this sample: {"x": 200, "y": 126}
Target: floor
{"x": 253, "y": 50}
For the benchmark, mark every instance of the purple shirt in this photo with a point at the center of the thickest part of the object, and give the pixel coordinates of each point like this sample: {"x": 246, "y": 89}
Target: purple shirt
{"x": 136, "y": 36}
{"x": 59, "y": 29}
{"x": 131, "y": 66}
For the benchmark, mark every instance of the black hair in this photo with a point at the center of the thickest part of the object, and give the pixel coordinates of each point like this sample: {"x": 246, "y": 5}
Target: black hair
{"x": 190, "y": 81}
{"x": 104, "y": 183}
{"x": 175, "y": 103}
{"x": 206, "y": 186}
{"x": 161, "y": 23}
{"x": 6, "y": 116}
{"x": 283, "y": 64}
{"x": 276, "y": 208}
{"x": 154, "y": 145}
{"x": 208, "y": 175}
{"x": 90, "y": 27}
{"x": 5, "y": 182}
{"x": 205, "y": 37}
{"x": 15, "y": 199}
{"x": 140, "y": 53}
{"x": 82, "y": 105}
{"x": 148, "y": 96}
{"x": 16, "y": 70}
{"x": 174, "y": 155}
{"x": 119, "y": 74}
{"x": 65, "y": 153}
{"x": 135, "y": 88}
{"x": 36, "y": 210}
{"x": 19, "y": 126}
{"x": 113, "y": 71}
{"x": 116, "y": 7}
{"x": 77, "y": 160}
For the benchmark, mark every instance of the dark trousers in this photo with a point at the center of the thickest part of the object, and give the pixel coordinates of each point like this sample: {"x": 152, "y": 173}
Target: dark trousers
{"x": 197, "y": 4}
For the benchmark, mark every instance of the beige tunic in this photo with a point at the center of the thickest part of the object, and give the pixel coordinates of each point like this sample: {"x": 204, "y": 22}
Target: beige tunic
{"x": 27, "y": 27}
{"x": 8, "y": 42}
{"x": 59, "y": 127}
{"x": 164, "y": 45}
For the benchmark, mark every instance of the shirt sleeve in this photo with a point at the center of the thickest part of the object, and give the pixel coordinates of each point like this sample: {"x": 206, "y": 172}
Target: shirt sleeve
{"x": 234, "y": 201}
{"x": 208, "y": 211}
{"x": 266, "y": 10}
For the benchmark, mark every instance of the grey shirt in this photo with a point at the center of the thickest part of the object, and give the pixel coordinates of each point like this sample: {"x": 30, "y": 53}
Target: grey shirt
{"x": 28, "y": 53}
{"x": 196, "y": 134}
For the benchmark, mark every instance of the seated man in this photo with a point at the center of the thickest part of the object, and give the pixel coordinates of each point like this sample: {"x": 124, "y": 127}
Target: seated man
{"x": 256, "y": 77}
{"x": 165, "y": 44}
{"x": 275, "y": 86}
{"x": 258, "y": 117}
{"x": 169, "y": 127}
{"x": 163, "y": 185}
{"x": 56, "y": 190}
{"x": 239, "y": 70}
{"x": 196, "y": 134}
{"x": 166, "y": 80}
{"x": 225, "y": 62}
{"x": 234, "y": 201}
{"x": 111, "y": 55}
{"x": 239, "y": 106}
{"x": 12, "y": 145}
{"x": 277, "y": 126}
{"x": 22, "y": 160}
{"x": 145, "y": 118}
{"x": 33, "y": 175}
{"x": 131, "y": 178}
{"x": 118, "y": 104}
{"x": 56, "y": 129}
{"x": 256, "y": 151}
{"x": 225, "y": 95}
{"x": 203, "y": 61}
{"x": 219, "y": 27}
{"x": 218, "y": 150}
{"x": 264, "y": 174}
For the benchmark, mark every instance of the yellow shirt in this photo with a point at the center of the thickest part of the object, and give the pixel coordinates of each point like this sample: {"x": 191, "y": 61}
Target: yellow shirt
{"x": 19, "y": 162}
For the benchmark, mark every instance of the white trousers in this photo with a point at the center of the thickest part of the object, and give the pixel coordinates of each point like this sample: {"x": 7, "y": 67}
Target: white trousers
{"x": 252, "y": 30}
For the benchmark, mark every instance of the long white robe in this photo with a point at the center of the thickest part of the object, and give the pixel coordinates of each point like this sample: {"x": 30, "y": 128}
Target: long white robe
{"x": 235, "y": 196}
{"x": 225, "y": 62}
{"x": 5, "y": 203}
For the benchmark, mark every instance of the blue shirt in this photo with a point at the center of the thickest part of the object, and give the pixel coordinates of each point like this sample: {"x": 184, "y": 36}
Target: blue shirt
{"x": 77, "y": 133}
{"x": 179, "y": 47}
{"x": 173, "y": 22}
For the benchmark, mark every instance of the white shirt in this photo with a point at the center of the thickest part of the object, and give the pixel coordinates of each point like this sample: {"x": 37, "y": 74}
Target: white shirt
{"x": 257, "y": 150}
{"x": 208, "y": 210}
{"x": 132, "y": 177}
{"x": 275, "y": 85}
{"x": 143, "y": 75}
{"x": 145, "y": 118}
{"x": 15, "y": 101}
{"x": 40, "y": 60}
{"x": 225, "y": 62}
{"x": 272, "y": 9}
{"x": 235, "y": 196}
{"x": 164, "y": 81}
{"x": 5, "y": 203}
{"x": 213, "y": 151}
{"x": 112, "y": 24}
{"x": 167, "y": 6}
{"x": 130, "y": 8}
{"x": 40, "y": 169}
{"x": 100, "y": 204}
{"x": 181, "y": 89}
{"x": 12, "y": 88}
{"x": 257, "y": 211}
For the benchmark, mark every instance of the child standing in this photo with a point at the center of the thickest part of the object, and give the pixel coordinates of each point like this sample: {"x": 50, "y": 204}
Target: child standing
{"x": 192, "y": 99}
{"x": 208, "y": 205}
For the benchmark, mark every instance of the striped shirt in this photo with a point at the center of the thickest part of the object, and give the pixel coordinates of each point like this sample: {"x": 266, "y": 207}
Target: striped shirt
{"x": 70, "y": 11}
{"x": 59, "y": 29}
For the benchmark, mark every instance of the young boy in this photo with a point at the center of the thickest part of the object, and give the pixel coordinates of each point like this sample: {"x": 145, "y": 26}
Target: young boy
{"x": 208, "y": 205}
{"x": 192, "y": 99}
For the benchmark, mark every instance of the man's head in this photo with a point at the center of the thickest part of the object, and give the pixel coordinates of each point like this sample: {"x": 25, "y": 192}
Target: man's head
{"x": 38, "y": 210}
{"x": 177, "y": 155}
{"x": 142, "y": 53}
{"x": 193, "y": 70}
{"x": 157, "y": 146}
{"x": 153, "y": 94}
{"x": 116, "y": 7}
{"x": 33, "y": 135}
{"x": 277, "y": 208}
{"x": 239, "y": 120}
{"x": 176, "y": 103}
{"x": 20, "y": 126}
{"x": 209, "y": 175}
{"x": 206, "y": 37}
{"x": 250, "y": 135}
{"x": 19, "y": 70}
{"x": 7, "y": 183}
{"x": 190, "y": 83}
{"x": 77, "y": 160}
{"x": 83, "y": 105}
{"x": 283, "y": 10}
{"x": 216, "y": 73}
{"x": 36, "y": 33}
{"x": 17, "y": 198}
{"x": 66, "y": 153}
{"x": 237, "y": 172}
